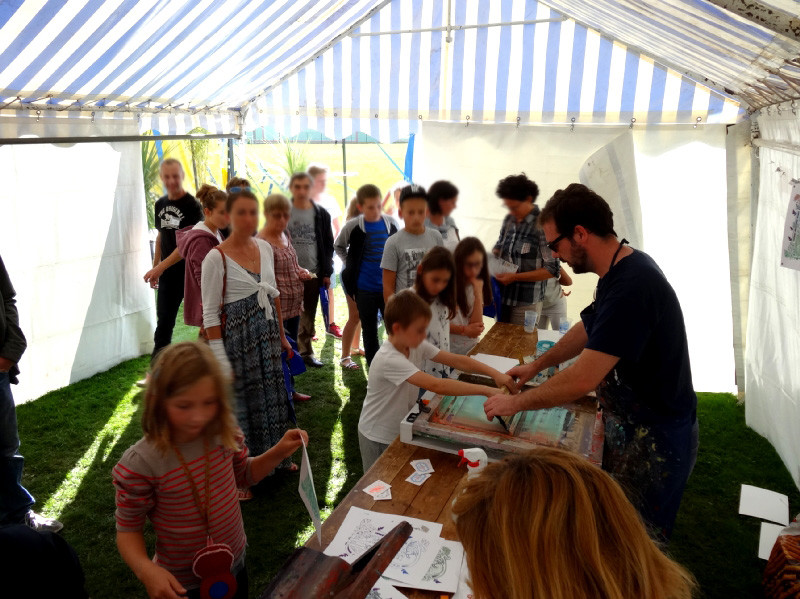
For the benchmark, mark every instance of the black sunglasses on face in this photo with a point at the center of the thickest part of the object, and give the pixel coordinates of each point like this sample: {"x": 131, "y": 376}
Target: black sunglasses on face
{"x": 552, "y": 245}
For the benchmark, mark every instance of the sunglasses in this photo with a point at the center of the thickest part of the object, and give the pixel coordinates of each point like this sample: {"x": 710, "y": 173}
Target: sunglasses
{"x": 238, "y": 189}
{"x": 552, "y": 245}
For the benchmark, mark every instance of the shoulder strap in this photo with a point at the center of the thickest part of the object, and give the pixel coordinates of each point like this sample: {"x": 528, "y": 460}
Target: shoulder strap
{"x": 224, "y": 276}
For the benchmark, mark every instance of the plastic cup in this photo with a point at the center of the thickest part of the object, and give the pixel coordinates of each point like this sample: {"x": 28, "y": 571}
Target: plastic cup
{"x": 564, "y": 325}
{"x": 531, "y": 316}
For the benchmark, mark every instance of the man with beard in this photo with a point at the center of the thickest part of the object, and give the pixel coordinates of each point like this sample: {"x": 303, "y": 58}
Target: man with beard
{"x": 631, "y": 347}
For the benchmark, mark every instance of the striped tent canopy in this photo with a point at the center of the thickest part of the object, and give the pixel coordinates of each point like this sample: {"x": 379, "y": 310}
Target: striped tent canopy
{"x": 340, "y": 66}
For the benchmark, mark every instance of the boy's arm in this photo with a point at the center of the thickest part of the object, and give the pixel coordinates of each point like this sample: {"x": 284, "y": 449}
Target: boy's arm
{"x": 343, "y": 240}
{"x": 389, "y": 281}
{"x": 262, "y": 465}
{"x": 467, "y": 364}
{"x": 160, "y": 583}
{"x": 448, "y": 386}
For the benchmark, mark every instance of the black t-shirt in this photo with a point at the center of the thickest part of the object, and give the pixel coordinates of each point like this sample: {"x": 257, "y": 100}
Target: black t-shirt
{"x": 172, "y": 215}
{"x": 636, "y": 317}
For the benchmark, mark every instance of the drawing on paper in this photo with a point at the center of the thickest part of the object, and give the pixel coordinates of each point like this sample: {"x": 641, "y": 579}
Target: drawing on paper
{"x": 366, "y": 534}
{"x": 790, "y": 254}
{"x": 439, "y": 566}
{"x": 410, "y": 553}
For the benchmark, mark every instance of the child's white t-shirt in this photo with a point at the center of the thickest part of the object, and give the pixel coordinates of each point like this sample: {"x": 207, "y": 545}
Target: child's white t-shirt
{"x": 389, "y": 395}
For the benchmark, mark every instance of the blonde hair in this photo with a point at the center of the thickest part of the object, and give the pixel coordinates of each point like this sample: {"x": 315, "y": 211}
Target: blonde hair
{"x": 178, "y": 367}
{"x": 276, "y": 201}
{"x": 352, "y": 208}
{"x": 548, "y": 524}
{"x": 316, "y": 169}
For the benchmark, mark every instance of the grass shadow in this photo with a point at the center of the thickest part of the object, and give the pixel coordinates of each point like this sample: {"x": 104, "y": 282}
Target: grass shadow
{"x": 356, "y": 383}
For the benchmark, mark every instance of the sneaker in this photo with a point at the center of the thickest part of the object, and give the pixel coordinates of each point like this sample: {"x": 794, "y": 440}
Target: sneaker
{"x": 41, "y": 523}
{"x": 335, "y": 330}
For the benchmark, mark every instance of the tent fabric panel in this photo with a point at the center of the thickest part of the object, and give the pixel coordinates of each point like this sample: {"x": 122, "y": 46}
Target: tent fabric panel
{"x": 565, "y": 71}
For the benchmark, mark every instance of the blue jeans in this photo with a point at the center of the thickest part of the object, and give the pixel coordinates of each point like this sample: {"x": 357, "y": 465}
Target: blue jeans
{"x": 15, "y": 501}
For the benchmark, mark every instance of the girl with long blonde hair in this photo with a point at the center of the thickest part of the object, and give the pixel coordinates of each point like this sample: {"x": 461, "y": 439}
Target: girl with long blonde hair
{"x": 550, "y": 525}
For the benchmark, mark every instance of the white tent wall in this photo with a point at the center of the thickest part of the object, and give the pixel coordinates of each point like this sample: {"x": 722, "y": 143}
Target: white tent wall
{"x": 75, "y": 244}
{"x": 680, "y": 202}
{"x": 772, "y": 354}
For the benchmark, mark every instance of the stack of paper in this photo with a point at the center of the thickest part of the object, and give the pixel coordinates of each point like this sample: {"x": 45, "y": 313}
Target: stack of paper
{"x": 769, "y": 505}
{"x": 426, "y": 561}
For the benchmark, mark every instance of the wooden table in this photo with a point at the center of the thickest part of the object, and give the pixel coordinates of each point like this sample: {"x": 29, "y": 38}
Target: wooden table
{"x": 509, "y": 340}
{"x": 430, "y": 501}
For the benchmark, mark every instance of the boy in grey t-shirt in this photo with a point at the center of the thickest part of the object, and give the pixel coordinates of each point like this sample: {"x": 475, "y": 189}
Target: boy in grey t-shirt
{"x": 404, "y": 250}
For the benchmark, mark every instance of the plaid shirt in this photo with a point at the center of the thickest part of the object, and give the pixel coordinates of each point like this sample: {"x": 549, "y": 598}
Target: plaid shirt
{"x": 524, "y": 244}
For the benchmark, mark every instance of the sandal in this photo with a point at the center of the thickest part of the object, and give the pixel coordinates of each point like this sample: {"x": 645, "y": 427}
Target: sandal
{"x": 348, "y": 364}
{"x": 245, "y": 494}
{"x": 357, "y": 351}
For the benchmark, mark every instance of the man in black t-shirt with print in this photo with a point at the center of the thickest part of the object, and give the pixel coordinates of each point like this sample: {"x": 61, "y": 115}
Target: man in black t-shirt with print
{"x": 176, "y": 210}
{"x": 632, "y": 349}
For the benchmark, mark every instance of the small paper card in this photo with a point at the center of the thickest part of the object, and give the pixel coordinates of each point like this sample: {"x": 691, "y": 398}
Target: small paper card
{"x": 308, "y": 494}
{"x": 377, "y": 488}
{"x": 384, "y": 495}
{"x": 422, "y": 465}
{"x": 418, "y": 478}
{"x": 764, "y": 504}
{"x": 769, "y": 534}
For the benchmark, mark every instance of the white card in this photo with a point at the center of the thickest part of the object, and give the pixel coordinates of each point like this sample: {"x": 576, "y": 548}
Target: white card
{"x": 383, "y": 495}
{"x": 422, "y": 465}
{"x": 436, "y": 568}
{"x": 418, "y": 478}
{"x": 382, "y": 589}
{"x": 308, "y": 494}
{"x": 376, "y": 488}
{"x": 361, "y": 529}
{"x": 764, "y": 504}
{"x": 500, "y": 363}
{"x": 766, "y": 541}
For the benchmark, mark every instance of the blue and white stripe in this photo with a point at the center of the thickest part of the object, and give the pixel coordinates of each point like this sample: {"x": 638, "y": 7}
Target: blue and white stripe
{"x": 547, "y": 72}
{"x": 295, "y": 65}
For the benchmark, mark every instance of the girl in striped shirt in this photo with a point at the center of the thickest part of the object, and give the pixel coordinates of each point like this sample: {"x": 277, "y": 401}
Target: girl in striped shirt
{"x": 183, "y": 474}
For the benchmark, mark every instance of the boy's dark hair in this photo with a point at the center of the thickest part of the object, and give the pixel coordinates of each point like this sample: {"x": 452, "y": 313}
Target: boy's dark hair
{"x": 300, "y": 175}
{"x": 465, "y": 248}
{"x": 413, "y": 192}
{"x": 438, "y": 258}
{"x": 403, "y": 308}
{"x": 517, "y": 187}
{"x": 578, "y": 205}
{"x": 367, "y": 192}
{"x": 441, "y": 190}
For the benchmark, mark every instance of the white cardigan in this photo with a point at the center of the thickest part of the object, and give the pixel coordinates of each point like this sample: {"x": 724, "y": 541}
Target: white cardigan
{"x": 240, "y": 283}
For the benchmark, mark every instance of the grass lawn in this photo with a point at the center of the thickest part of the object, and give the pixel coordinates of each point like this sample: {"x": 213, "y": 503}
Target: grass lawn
{"x": 71, "y": 438}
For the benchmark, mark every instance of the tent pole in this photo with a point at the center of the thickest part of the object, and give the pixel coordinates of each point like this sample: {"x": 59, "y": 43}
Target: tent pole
{"x": 230, "y": 159}
{"x": 344, "y": 173}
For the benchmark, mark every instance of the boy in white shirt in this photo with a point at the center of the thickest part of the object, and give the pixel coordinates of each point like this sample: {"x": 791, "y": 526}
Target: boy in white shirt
{"x": 395, "y": 376}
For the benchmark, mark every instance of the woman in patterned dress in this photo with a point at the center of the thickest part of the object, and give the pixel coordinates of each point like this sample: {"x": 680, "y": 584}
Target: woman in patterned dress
{"x": 289, "y": 275}
{"x": 245, "y": 327}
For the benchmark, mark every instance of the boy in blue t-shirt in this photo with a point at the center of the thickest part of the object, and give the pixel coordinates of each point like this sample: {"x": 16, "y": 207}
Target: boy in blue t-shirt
{"x": 360, "y": 246}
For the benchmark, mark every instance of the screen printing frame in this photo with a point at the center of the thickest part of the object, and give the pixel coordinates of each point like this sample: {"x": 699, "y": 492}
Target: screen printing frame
{"x": 583, "y": 435}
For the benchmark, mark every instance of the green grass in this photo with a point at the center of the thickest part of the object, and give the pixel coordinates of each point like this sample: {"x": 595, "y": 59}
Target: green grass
{"x": 71, "y": 438}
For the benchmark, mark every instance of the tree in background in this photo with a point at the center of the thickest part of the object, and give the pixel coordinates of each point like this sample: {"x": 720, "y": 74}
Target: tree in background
{"x": 199, "y": 150}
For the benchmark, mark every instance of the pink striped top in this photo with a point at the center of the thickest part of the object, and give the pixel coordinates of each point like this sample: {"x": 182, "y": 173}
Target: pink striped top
{"x": 152, "y": 485}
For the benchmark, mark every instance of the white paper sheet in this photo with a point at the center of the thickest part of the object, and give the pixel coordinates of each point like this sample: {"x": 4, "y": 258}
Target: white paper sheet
{"x": 464, "y": 591}
{"x": 500, "y": 363}
{"x": 548, "y": 335}
{"x": 309, "y": 494}
{"x": 382, "y": 589}
{"x": 790, "y": 249}
{"x": 498, "y": 266}
{"x": 438, "y": 570}
{"x": 361, "y": 529}
{"x": 412, "y": 563}
{"x": 764, "y": 504}
{"x": 766, "y": 541}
